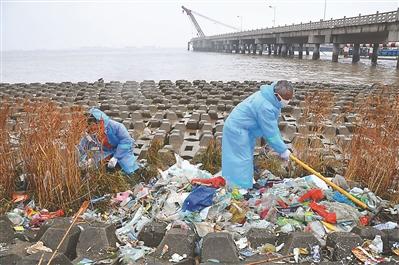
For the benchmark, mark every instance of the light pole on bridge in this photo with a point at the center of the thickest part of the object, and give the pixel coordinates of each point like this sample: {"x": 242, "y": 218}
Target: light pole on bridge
{"x": 240, "y": 17}
{"x": 274, "y": 16}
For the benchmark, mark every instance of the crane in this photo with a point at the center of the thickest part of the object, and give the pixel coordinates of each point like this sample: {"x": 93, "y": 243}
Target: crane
{"x": 200, "y": 33}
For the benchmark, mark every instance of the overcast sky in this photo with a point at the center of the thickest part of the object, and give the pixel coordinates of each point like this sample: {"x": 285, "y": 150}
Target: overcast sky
{"x": 70, "y": 24}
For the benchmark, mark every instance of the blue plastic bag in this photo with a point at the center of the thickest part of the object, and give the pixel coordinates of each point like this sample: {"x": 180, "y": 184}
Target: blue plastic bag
{"x": 338, "y": 197}
{"x": 199, "y": 198}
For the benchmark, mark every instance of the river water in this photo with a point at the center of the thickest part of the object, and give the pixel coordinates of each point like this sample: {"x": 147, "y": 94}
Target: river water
{"x": 173, "y": 64}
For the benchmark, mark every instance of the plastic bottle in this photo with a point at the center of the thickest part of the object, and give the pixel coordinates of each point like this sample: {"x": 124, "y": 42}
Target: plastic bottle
{"x": 377, "y": 244}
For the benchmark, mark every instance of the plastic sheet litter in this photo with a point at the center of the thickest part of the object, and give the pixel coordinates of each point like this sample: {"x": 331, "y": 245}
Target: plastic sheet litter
{"x": 199, "y": 198}
{"x": 38, "y": 247}
{"x": 186, "y": 197}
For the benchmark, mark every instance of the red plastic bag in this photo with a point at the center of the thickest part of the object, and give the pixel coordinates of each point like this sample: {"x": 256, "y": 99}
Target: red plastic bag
{"x": 321, "y": 210}
{"x": 215, "y": 182}
{"x": 313, "y": 194}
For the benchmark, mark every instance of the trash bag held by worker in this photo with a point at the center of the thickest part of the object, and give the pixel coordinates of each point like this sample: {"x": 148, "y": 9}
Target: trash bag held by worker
{"x": 108, "y": 139}
{"x": 257, "y": 116}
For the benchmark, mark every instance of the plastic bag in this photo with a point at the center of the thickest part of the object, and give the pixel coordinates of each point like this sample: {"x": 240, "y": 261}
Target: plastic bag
{"x": 199, "y": 198}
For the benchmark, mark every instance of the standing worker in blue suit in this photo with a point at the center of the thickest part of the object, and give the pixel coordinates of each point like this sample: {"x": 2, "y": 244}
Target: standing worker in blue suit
{"x": 257, "y": 116}
{"x": 107, "y": 140}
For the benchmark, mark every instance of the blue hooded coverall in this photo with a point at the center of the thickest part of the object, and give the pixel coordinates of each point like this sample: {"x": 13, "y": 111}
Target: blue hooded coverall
{"x": 256, "y": 116}
{"x": 118, "y": 137}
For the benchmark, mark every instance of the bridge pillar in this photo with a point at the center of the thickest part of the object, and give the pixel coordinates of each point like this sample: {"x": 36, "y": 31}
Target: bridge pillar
{"x": 284, "y": 50}
{"x": 300, "y": 51}
{"x": 307, "y": 50}
{"x": 260, "y": 49}
{"x": 292, "y": 50}
{"x": 279, "y": 49}
{"x": 335, "y": 52}
{"x": 269, "y": 49}
{"x": 356, "y": 53}
{"x": 316, "y": 52}
{"x": 275, "y": 49}
{"x": 254, "y": 48}
{"x": 374, "y": 56}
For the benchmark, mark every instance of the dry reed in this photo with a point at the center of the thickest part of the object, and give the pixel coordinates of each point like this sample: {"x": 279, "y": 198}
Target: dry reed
{"x": 43, "y": 146}
{"x": 317, "y": 109}
{"x": 211, "y": 158}
{"x": 374, "y": 149}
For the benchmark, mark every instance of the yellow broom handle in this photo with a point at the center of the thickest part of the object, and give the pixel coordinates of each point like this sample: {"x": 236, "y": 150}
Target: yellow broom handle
{"x": 335, "y": 187}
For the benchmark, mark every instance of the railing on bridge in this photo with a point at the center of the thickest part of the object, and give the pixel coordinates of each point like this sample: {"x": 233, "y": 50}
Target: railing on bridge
{"x": 386, "y": 17}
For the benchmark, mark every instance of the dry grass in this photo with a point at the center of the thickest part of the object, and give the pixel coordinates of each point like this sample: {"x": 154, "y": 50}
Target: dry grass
{"x": 375, "y": 145}
{"x": 211, "y": 158}
{"x": 155, "y": 160}
{"x": 7, "y": 157}
{"x": 317, "y": 110}
{"x": 272, "y": 163}
{"x": 47, "y": 136}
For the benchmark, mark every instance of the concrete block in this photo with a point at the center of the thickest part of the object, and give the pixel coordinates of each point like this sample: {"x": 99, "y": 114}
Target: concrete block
{"x": 180, "y": 241}
{"x": 14, "y": 253}
{"x": 53, "y": 235}
{"x": 296, "y": 112}
{"x": 259, "y": 236}
{"x": 192, "y": 124}
{"x": 303, "y": 129}
{"x": 59, "y": 259}
{"x": 166, "y": 126}
{"x": 329, "y": 131}
{"x": 289, "y": 131}
{"x": 95, "y": 239}
{"x": 192, "y": 135}
{"x": 342, "y": 244}
{"x": 6, "y": 230}
{"x": 205, "y": 117}
{"x": 10, "y": 259}
{"x": 369, "y": 232}
{"x": 205, "y": 139}
{"x": 152, "y": 234}
{"x": 138, "y": 125}
{"x": 160, "y": 136}
{"x": 137, "y": 115}
{"x": 299, "y": 240}
{"x": 350, "y": 126}
{"x": 181, "y": 126}
{"x": 195, "y": 116}
{"x": 176, "y": 140}
{"x": 171, "y": 116}
{"x": 221, "y": 107}
{"x": 127, "y": 124}
{"x": 229, "y": 107}
{"x": 154, "y": 123}
{"x": 124, "y": 115}
{"x": 213, "y": 114}
{"x": 219, "y": 246}
{"x": 189, "y": 149}
{"x": 315, "y": 142}
{"x": 158, "y": 116}
{"x": 343, "y": 130}
{"x": 146, "y": 114}
{"x": 219, "y": 127}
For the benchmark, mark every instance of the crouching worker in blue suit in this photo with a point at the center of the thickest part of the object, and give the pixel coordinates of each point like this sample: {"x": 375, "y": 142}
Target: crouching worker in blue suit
{"x": 107, "y": 140}
{"x": 257, "y": 116}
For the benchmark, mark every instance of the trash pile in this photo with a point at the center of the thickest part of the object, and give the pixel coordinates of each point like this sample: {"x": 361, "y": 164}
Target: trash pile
{"x": 187, "y": 214}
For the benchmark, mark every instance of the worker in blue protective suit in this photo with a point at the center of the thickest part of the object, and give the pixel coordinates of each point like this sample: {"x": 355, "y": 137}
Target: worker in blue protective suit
{"x": 107, "y": 140}
{"x": 257, "y": 116}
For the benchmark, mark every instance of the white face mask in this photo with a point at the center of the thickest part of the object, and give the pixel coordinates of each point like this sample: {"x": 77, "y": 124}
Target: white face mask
{"x": 284, "y": 102}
